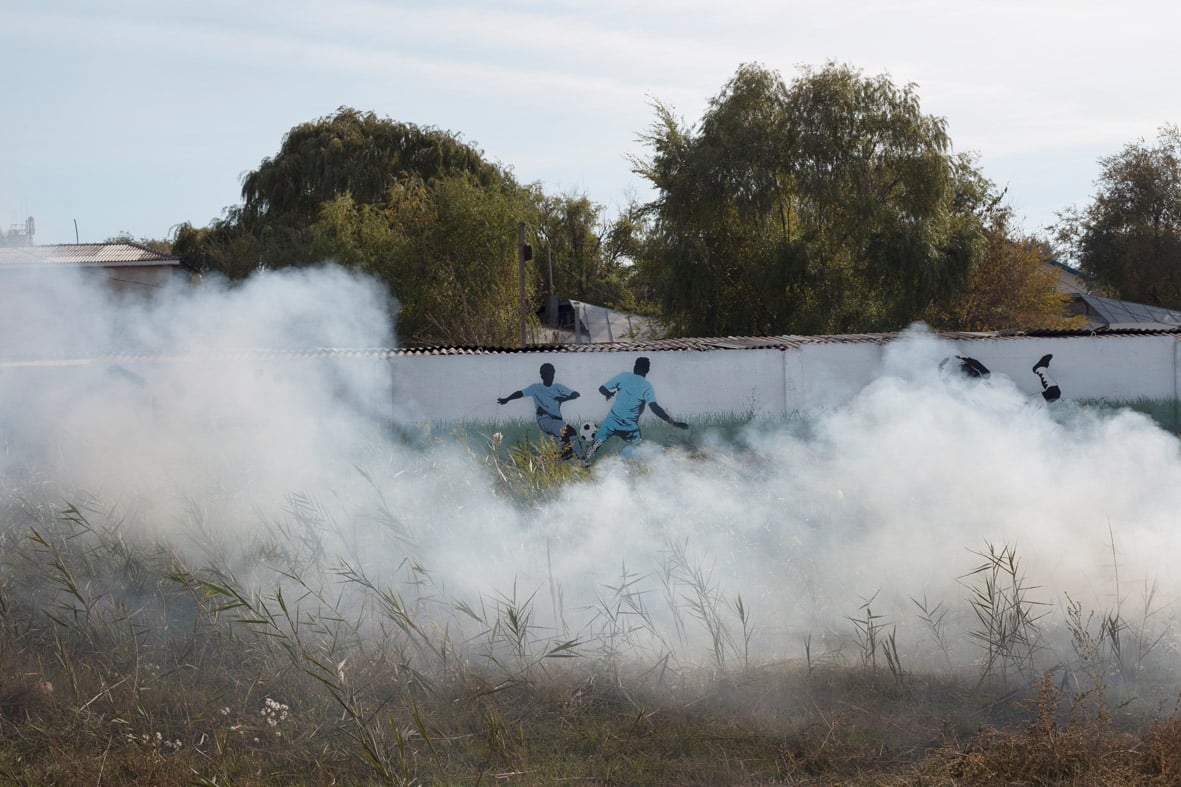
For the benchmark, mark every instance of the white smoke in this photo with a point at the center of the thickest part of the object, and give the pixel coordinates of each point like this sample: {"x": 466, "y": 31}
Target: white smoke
{"x": 193, "y": 390}
{"x": 888, "y": 498}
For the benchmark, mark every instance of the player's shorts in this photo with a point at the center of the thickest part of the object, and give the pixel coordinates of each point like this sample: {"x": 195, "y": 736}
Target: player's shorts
{"x": 551, "y": 426}
{"x": 611, "y": 428}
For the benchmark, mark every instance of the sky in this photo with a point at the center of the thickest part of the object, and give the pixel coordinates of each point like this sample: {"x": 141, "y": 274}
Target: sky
{"x": 135, "y": 116}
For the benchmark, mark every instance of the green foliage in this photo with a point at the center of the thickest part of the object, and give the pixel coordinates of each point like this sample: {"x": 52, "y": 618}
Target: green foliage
{"x": 825, "y": 206}
{"x": 529, "y": 472}
{"x": 423, "y": 212}
{"x": 1129, "y": 237}
{"x": 587, "y": 256}
{"x": 1012, "y": 286}
{"x": 447, "y": 250}
{"x": 350, "y": 153}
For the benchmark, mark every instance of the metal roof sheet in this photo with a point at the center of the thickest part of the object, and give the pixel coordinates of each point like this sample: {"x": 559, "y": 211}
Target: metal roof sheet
{"x": 775, "y": 342}
{"x": 100, "y": 254}
{"x": 1115, "y": 312}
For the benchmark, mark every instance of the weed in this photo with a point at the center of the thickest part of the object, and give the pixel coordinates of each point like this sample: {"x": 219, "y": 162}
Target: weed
{"x": 1006, "y": 614}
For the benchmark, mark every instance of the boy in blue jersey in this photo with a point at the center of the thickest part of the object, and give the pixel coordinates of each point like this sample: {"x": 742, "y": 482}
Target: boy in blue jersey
{"x": 548, "y": 397}
{"x": 632, "y": 393}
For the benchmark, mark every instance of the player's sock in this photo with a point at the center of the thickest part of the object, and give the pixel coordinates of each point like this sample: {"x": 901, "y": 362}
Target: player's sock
{"x": 590, "y": 453}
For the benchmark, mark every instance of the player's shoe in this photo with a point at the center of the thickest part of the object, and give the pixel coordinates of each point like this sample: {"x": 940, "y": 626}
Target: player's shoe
{"x": 590, "y": 453}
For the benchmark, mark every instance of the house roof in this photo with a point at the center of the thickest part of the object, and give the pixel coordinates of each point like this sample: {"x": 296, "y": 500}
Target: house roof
{"x": 1115, "y": 314}
{"x": 103, "y": 255}
{"x": 1069, "y": 279}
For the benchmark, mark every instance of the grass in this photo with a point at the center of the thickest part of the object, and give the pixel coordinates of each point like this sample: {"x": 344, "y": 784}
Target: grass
{"x": 1165, "y": 412}
{"x": 129, "y": 658}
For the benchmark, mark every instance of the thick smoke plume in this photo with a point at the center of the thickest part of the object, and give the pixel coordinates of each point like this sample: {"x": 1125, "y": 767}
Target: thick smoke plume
{"x": 221, "y": 432}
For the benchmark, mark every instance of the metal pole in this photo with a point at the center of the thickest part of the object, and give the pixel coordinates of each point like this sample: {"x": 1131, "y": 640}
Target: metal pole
{"x": 521, "y": 270}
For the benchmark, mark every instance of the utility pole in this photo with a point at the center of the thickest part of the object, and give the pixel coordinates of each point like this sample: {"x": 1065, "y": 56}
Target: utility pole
{"x": 524, "y": 253}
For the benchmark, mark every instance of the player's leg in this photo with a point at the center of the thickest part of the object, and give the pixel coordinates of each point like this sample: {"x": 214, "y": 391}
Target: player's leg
{"x": 552, "y": 428}
{"x": 1050, "y": 390}
{"x": 570, "y": 444}
{"x": 606, "y": 429}
{"x": 632, "y": 440}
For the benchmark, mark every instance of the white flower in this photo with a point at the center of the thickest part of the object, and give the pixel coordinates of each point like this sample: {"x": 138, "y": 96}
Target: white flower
{"x": 273, "y": 711}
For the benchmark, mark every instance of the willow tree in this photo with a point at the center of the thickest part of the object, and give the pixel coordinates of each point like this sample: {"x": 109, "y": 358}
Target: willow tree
{"x": 446, "y": 248}
{"x": 348, "y": 153}
{"x": 827, "y": 205}
{"x": 579, "y": 253}
{"x": 1129, "y": 237}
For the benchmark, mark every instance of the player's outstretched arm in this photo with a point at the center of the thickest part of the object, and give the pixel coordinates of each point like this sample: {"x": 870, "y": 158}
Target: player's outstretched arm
{"x": 510, "y": 397}
{"x": 659, "y": 412}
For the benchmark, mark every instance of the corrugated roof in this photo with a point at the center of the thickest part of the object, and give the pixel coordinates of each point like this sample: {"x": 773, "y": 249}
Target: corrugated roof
{"x": 662, "y": 345}
{"x": 1115, "y": 313}
{"x": 758, "y": 342}
{"x": 100, "y": 254}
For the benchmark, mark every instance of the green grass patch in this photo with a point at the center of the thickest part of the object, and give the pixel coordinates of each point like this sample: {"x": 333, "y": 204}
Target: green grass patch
{"x": 1165, "y": 412}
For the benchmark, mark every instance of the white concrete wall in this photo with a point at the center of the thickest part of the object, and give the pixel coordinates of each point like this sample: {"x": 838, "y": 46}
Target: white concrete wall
{"x": 688, "y": 383}
{"x": 1087, "y": 367}
{"x": 465, "y": 387}
{"x": 772, "y": 381}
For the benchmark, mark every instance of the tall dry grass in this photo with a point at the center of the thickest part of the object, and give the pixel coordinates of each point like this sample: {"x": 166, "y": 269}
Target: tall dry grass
{"x": 125, "y": 658}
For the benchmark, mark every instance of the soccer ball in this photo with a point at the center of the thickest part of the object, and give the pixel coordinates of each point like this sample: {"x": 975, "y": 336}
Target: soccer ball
{"x": 587, "y": 431}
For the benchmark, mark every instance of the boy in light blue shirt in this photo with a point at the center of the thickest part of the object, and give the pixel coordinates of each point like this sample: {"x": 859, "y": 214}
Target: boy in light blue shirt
{"x": 632, "y": 393}
{"x": 548, "y": 397}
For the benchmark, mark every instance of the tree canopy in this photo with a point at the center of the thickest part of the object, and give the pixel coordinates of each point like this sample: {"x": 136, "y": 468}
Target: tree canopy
{"x": 350, "y": 152}
{"x": 832, "y": 204}
{"x": 1129, "y": 237}
{"x": 447, "y": 250}
{"x": 827, "y": 205}
{"x": 1012, "y": 285}
{"x": 423, "y": 212}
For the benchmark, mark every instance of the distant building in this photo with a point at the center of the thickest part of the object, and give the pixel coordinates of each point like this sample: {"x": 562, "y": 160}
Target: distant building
{"x": 126, "y": 268}
{"x": 1112, "y": 314}
{"x": 19, "y": 234}
{"x": 579, "y": 322}
{"x": 1069, "y": 279}
{"x": 1100, "y": 313}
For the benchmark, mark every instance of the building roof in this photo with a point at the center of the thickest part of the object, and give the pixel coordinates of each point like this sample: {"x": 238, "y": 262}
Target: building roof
{"x": 103, "y": 255}
{"x": 774, "y": 342}
{"x": 1069, "y": 279}
{"x": 1111, "y": 314}
{"x": 660, "y": 345}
